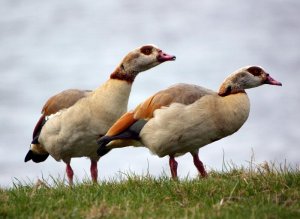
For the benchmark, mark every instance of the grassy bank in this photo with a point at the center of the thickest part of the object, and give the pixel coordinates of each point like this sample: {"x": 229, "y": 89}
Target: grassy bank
{"x": 262, "y": 192}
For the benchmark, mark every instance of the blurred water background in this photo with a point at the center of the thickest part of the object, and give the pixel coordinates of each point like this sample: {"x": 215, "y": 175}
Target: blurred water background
{"x": 49, "y": 46}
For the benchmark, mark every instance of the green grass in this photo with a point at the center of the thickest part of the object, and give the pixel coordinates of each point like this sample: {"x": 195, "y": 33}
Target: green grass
{"x": 261, "y": 192}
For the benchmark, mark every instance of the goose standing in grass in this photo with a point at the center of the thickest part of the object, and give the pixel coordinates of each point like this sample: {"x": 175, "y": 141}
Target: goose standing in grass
{"x": 72, "y": 120}
{"x": 184, "y": 118}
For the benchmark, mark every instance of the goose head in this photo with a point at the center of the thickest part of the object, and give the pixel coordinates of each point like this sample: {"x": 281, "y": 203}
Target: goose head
{"x": 245, "y": 78}
{"x": 139, "y": 60}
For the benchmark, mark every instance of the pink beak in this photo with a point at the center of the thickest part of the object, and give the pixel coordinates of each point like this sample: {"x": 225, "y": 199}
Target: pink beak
{"x": 162, "y": 57}
{"x": 272, "y": 81}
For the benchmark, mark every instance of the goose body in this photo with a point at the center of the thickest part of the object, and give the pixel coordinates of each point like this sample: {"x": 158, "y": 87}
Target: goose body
{"x": 212, "y": 117}
{"x": 72, "y": 132}
{"x": 72, "y": 120}
{"x": 184, "y": 118}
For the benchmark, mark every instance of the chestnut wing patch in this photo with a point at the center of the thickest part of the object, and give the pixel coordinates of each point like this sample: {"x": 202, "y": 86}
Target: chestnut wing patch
{"x": 122, "y": 124}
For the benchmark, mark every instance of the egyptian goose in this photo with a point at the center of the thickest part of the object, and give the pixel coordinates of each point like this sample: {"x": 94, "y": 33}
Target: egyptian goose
{"x": 72, "y": 120}
{"x": 184, "y": 118}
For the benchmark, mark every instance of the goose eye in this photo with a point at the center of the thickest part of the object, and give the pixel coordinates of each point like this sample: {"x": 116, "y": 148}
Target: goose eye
{"x": 146, "y": 50}
{"x": 256, "y": 71}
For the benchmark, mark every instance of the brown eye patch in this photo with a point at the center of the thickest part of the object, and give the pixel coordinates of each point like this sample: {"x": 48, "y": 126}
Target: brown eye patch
{"x": 147, "y": 50}
{"x": 256, "y": 71}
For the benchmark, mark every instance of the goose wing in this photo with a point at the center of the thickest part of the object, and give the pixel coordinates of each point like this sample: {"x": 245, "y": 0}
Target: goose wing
{"x": 62, "y": 100}
{"x": 179, "y": 93}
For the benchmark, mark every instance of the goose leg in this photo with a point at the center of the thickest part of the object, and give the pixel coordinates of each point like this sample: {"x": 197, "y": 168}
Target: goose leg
{"x": 94, "y": 170}
{"x": 198, "y": 164}
{"x": 69, "y": 172}
{"x": 173, "y": 167}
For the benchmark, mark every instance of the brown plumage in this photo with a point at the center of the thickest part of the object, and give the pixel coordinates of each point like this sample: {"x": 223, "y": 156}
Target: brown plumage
{"x": 63, "y": 100}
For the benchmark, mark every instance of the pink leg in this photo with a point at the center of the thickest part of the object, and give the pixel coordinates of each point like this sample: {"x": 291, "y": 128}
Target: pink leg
{"x": 173, "y": 166}
{"x": 199, "y": 165}
{"x": 70, "y": 173}
{"x": 94, "y": 171}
